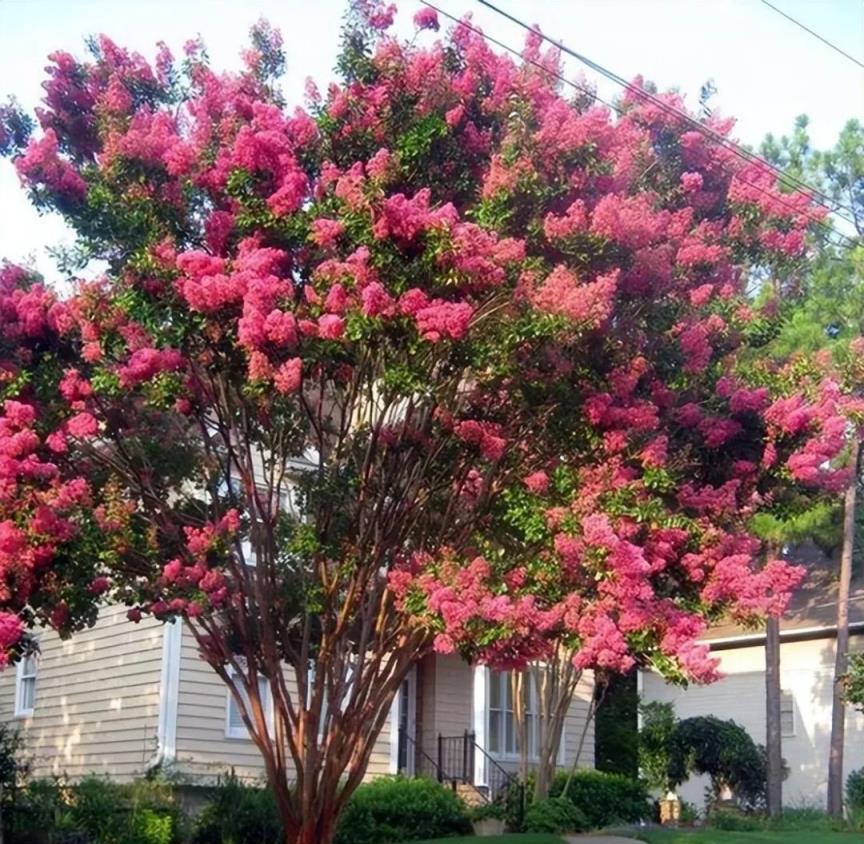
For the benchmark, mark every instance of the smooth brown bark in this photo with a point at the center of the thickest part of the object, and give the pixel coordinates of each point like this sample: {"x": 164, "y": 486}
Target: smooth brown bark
{"x": 841, "y": 656}
{"x": 773, "y": 733}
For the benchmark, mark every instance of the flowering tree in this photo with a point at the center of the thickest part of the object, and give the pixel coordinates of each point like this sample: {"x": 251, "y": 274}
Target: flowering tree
{"x": 447, "y": 361}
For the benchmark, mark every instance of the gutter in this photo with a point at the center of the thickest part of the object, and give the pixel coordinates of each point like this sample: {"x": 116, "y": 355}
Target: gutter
{"x": 169, "y": 686}
{"x": 794, "y": 635}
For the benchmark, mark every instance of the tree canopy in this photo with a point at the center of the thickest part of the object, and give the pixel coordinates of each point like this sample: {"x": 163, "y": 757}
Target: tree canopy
{"x": 445, "y": 360}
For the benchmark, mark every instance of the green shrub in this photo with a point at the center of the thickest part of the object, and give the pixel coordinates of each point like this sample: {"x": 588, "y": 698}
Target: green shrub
{"x": 95, "y": 810}
{"x": 604, "y": 798}
{"x": 143, "y": 812}
{"x": 804, "y": 819}
{"x": 689, "y": 813}
{"x": 39, "y": 813}
{"x": 238, "y": 814}
{"x": 731, "y": 821}
{"x": 395, "y": 809}
{"x": 515, "y": 801}
{"x": 554, "y": 815}
{"x": 725, "y": 751}
{"x": 655, "y": 733}
{"x": 487, "y": 810}
{"x": 149, "y": 827}
{"x": 855, "y": 797}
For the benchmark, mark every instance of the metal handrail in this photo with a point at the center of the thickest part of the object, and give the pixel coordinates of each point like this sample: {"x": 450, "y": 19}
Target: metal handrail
{"x": 424, "y": 764}
{"x": 500, "y": 775}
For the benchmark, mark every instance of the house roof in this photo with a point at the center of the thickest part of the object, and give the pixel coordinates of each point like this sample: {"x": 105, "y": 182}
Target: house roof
{"x": 813, "y": 607}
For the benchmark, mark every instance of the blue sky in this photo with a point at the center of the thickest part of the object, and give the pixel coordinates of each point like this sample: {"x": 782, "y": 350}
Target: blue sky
{"x": 766, "y": 70}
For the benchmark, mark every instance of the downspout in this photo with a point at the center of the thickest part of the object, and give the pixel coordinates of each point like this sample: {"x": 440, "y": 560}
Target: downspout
{"x": 169, "y": 686}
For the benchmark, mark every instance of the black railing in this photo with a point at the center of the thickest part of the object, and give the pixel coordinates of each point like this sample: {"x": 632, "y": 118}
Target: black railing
{"x": 455, "y": 763}
{"x": 456, "y": 758}
{"x": 499, "y": 781}
{"x": 423, "y": 764}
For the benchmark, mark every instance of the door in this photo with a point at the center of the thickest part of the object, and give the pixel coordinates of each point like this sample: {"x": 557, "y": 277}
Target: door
{"x": 407, "y": 724}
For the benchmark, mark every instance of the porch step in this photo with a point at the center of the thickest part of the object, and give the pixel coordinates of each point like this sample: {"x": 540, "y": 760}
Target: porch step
{"x": 471, "y": 795}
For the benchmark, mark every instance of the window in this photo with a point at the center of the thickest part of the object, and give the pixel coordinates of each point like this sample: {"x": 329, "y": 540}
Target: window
{"x": 246, "y": 545}
{"x": 234, "y": 726}
{"x": 503, "y": 731}
{"x": 25, "y": 686}
{"x": 787, "y": 714}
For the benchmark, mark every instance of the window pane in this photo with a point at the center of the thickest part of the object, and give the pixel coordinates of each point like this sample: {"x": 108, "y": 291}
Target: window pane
{"x": 508, "y": 689}
{"x": 28, "y": 693}
{"x": 509, "y": 733}
{"x": 494, "y": 690}
{"x": 235, "y": 718}
{"x": 494, "y": 732}
{"x": 531, "y": 726}
{"x": 29, "y": 668}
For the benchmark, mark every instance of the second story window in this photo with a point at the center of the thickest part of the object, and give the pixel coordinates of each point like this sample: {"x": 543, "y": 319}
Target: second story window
{"x": 25, "y": 686}
{"x": 234, "y": 726}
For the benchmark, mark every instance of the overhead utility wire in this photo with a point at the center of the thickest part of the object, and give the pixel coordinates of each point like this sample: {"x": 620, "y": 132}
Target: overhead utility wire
{"x": 512, "y": 50}
{"x": 822, "y": 198}
{"x": 825, "y": 41}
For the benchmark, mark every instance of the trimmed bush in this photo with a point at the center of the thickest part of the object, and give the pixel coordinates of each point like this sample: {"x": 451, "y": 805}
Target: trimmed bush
{"x": 731, "y": 821}
{"x": 604, "y": 799}
{"x": 555, "y": 815}
{"x": 396, "y": 809}
{"x": 725, "y": 751}
{"x": 855, "y": 797}
{"x": 238, "y": 814}
{"x": 804, "y": 819}
{"x": 143, "y": 812}
{"x": 49, "y": 811}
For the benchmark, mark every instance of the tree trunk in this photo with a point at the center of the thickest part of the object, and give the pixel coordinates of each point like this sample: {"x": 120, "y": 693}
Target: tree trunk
{"x": 841, "y": 657}
{"x": 596, "y": 702}
{"x": 319, "y": 830}
{"x": 773, "y": 734}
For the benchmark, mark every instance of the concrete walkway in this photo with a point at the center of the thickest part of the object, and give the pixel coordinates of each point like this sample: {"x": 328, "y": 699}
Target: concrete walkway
{"x": 600, "y": 839}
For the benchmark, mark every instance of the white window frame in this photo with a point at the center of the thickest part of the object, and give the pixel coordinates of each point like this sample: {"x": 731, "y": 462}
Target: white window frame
{"x": 241, "y": 733}
{"x": 22, "y": 676}
{"x": 511, "y": 756}
{"x": 787, "y": 708}
{"x": 505, "y": 681}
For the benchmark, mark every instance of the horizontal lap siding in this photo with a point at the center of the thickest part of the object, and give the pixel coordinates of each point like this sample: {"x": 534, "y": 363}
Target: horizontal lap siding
{"x": 446, "y": 693}
{"x": 447, "y": 704}
{"x": 575, "y": 725}
{"x": 806, "y": 671}
{"x": 203, "y": 750}
{"x": 97, "y": 699}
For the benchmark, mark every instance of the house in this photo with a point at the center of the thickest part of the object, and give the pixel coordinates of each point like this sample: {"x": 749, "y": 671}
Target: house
{"x": 807, "y": 651}
{"x": 119, "y": 699}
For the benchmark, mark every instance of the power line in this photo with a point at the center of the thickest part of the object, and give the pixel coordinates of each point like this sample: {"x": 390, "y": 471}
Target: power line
{"x": 559, "y": 77}
{"x": 821, "y": 198}
{"x": 825, "y": 41}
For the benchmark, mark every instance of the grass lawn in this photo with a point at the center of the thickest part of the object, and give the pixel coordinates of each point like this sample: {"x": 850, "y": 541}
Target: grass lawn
{"x": 716, "y": 836}
{"x": 526, "y": 838}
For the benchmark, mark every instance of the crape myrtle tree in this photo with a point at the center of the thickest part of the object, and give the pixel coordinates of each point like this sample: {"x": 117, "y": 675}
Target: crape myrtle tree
{"x": 445, "y": 361}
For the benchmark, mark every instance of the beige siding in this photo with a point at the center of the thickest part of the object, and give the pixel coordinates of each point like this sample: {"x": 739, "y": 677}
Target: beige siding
{"x": 447, "y": 707}
{"x": 446, "y": 700}
{"x": 203, "y": 749}
{"x": 97, "y": 699}
{"x": 575, "y": 728}
{"x": 806, "y": 671}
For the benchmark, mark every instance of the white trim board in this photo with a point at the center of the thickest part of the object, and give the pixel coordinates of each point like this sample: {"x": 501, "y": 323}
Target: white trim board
{"x": 169, "y": 688}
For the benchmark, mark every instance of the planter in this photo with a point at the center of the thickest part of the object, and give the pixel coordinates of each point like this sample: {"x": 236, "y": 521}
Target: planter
{"x": 489, "y": 826}
{"x": 670, "y": 809}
